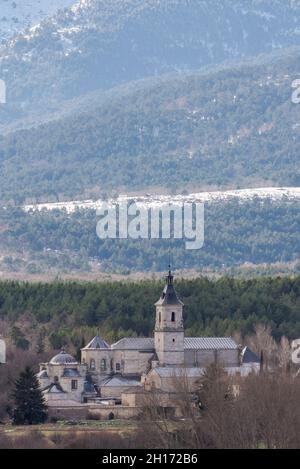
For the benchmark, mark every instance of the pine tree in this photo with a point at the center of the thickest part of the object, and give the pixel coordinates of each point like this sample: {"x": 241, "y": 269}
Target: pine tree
{"x": 30, "y": 407}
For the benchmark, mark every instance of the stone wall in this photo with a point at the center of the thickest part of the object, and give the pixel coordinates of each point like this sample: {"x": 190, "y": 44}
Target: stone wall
{"x": 181, "y": 381}
{"x": 170, "y": 345}
{"x": 143, "y": 398}
{"x": 169, "y": 335}
{"x": 131, "y": 362}
{"x": 119, "y": 412}
{"x": 203, "y": 358}
{"x": 93, "y": 412}
{"x": 68, "y": 413}
{"x": 97, "y": 355}
{"x": 113, "y": 391}
{"x": 75, "y": 394}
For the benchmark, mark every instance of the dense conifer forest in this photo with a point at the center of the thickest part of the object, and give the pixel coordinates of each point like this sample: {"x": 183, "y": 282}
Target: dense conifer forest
{"x": 235, "y": 233}
{"x": 69, "y": 313}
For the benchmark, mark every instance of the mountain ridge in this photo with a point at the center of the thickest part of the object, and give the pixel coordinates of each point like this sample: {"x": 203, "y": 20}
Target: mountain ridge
{"x": 99, "y": 44}
{"x": 235, "y": 127}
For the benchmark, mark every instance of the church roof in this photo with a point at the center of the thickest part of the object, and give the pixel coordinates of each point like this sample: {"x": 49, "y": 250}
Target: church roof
{"x": 169, "y": 295}
{"x": 195, "y": 343}
{"x": 210, "y": 343}
{"x": 119, "y": 381}
{"x": 249, "y": 357}
{"x": 96, "y": 343}
{"x": 54, "y": 388}
{"x": 134, "y": 343}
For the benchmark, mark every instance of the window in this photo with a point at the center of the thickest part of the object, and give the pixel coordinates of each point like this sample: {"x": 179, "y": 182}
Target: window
{"x": 74, "y": 384}
{"x": 92, "y": 364}
{"x": 118, "y": 367}
{"x": 159, "y": 317}
{"x": 103, "y": 364}
{"x": 173, "y": 317}
{"x": 173, "y": 340}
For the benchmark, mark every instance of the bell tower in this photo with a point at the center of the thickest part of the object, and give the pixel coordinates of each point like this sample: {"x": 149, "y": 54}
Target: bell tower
{"x": 169, "y": 332}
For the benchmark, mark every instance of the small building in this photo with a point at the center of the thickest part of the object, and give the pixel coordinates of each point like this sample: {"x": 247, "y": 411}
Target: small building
{"x": 170, "y": 379}
{"x": 63, "y": 378}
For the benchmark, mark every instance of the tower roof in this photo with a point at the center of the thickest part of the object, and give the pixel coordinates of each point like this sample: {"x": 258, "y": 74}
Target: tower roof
{"x": 169, "y": 295}
{"x": 96, "y": 342}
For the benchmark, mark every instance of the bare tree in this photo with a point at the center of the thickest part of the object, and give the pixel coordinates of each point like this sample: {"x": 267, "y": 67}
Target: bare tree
{"x": 155, "y": 423}
{"x": 284, "y": 354}
{"x": 263, "y": 341}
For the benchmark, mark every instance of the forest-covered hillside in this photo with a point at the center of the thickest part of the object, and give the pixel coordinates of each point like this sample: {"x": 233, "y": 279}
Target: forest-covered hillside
{"x": 235, "y": 127}
{"x": 236, "y": 233}
{"x": 98, "y": 44}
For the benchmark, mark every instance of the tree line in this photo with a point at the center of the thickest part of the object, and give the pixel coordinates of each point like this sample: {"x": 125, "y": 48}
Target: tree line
{"x": 68, "y": 312}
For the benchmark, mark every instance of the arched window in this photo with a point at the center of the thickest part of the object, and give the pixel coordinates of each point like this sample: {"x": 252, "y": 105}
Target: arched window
{"x": 92, "y": 364}
{"x": 118, "y": 367}
{"x": 103, "y": 364}
{"x": 173, "y": 317}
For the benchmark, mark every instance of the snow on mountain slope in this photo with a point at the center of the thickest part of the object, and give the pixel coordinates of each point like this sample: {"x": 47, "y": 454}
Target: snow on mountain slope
{"x": 17, "y": 15}
{"x": 99, "y": 44}
{"x": 274, "y": 194}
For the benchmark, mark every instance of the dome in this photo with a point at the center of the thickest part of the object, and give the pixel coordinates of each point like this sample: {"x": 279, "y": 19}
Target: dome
{"x": 63, "y": 358}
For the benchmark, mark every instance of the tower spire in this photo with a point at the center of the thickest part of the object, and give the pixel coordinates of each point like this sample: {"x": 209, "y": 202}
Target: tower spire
{"x": 169, "y": 295}
{"x": 170, "y": 276}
